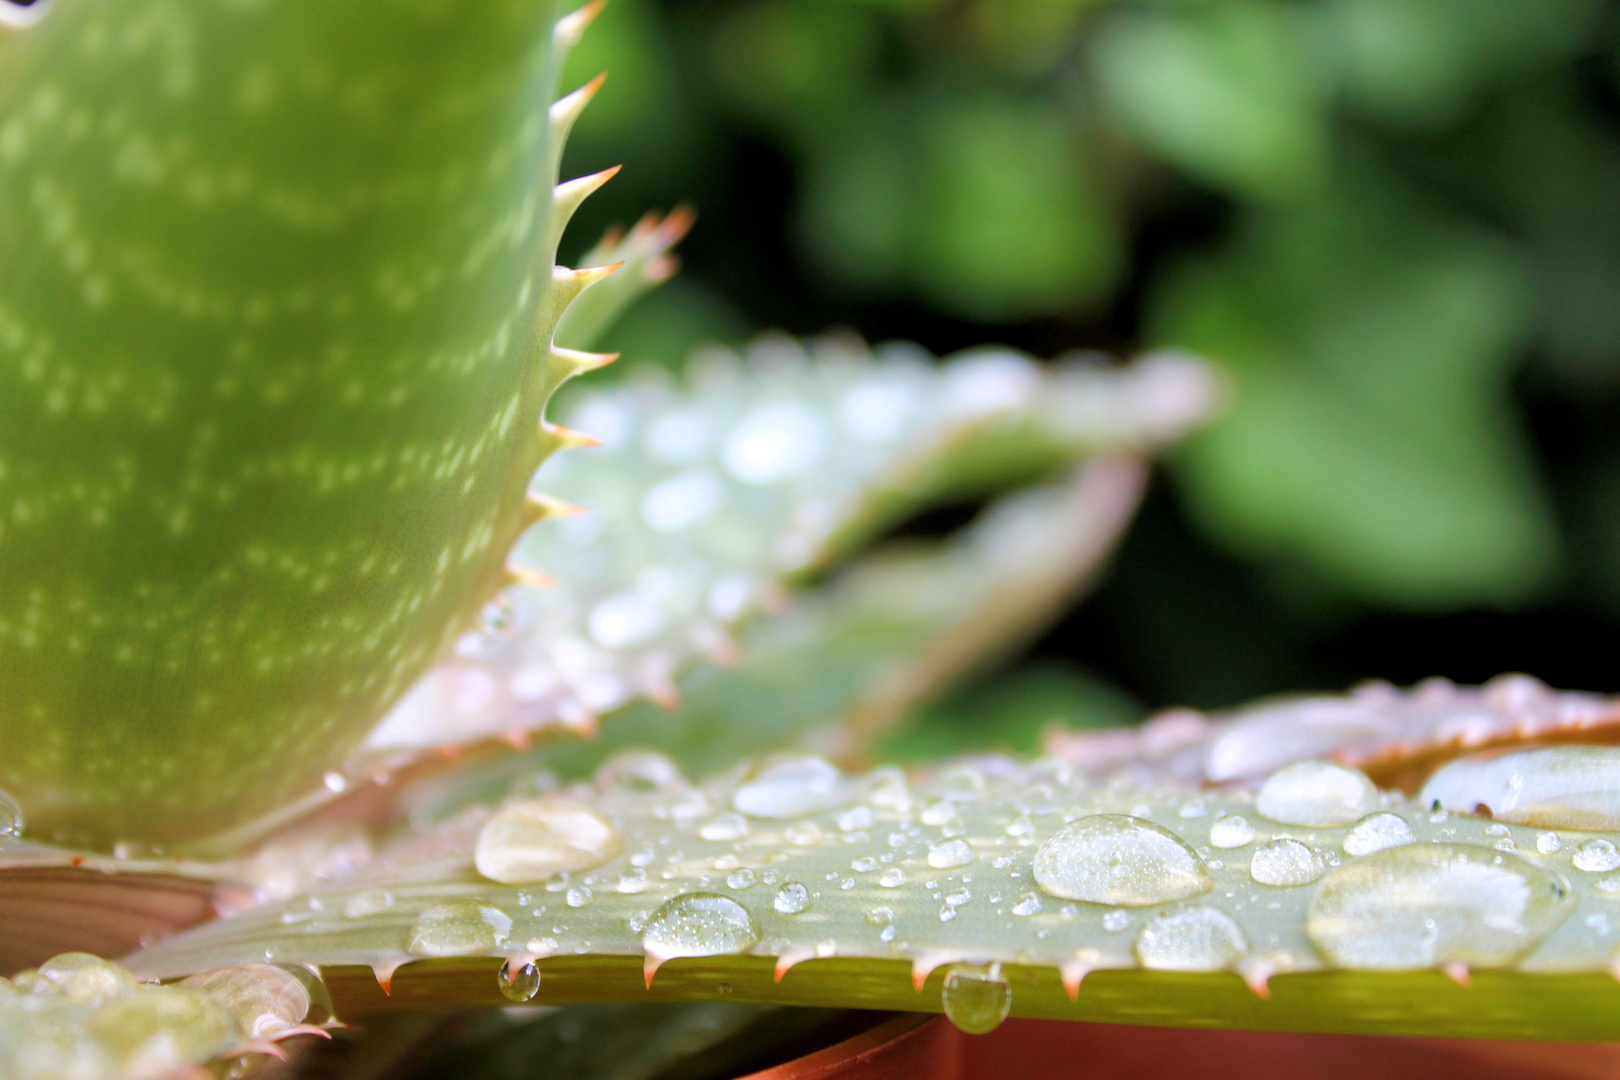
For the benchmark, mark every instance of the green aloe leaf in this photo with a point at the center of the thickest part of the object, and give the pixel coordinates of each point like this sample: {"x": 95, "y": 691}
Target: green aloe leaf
{"x": 1312, "y": 901}
{"x": 706, "y": 501}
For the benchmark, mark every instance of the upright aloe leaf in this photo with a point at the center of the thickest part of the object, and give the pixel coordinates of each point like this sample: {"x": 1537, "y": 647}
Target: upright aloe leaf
{"x": 274, "y": 350}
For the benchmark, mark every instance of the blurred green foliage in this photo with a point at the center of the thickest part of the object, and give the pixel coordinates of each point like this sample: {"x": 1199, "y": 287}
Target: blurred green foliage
{"x": 1382, "y": 216}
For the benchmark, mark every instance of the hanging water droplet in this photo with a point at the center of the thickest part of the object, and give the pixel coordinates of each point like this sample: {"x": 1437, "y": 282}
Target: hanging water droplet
{"x": 1115, "y": 859}
{"x": 949, "y": 854}
{"x": 976, "y": 999}
{"x": 791, "y": 899}
{"x": 1375, "y": 832}
{"x": 458, "y": 927}
{"x": 1320, "y": 794}
{"x": 792, "y": 788}
{"x": 519, "y": 978}
{"x": 530, "y": 841}
{"x": 1285, "y": 863}
{"x": 1230, "y": 831}
{"x": 1199, "y": 938}
{"x": 727, "y": 826}
{"x": 1421, "y": 905}
{"x": 1597, "y": 857}
{"x": 699, "y": 924}
{"x": 741, "y": 879}
{"x": 1554, "y": 787}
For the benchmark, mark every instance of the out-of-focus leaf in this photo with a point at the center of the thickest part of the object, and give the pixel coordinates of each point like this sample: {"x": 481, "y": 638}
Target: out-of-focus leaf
{"x": 1372, "y": 439}
{"x": 1013, "y": 713}
{"x": 1224, "y": 91}
{"x": 1423, "y": 60}
{"x": 981, "y": 204}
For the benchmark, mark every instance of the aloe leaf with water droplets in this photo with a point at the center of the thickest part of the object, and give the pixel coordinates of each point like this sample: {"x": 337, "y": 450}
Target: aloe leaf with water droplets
{"x": 1315, "y": 902}
{"x": 706, "y": 500}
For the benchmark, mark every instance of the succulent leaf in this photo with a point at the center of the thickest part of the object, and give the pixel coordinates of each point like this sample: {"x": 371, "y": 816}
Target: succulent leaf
{"x": 1342, "y": 907}
{"x": 273, "y": 362}
{"x": 705, "y": 501}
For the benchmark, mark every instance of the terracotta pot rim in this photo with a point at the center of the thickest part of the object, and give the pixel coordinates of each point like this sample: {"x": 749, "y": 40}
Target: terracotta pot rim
{"x": 843, "y": 1056}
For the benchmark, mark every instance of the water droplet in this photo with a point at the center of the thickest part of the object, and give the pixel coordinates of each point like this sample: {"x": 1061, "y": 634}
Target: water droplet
{"x": 892, "y": 878}
{"x": 791, "y": 898}
{"x": 937, "y": 813}
{"x": 976, "y": 999}
{"x": 1420, "y": 905}
{"x": 11, "y": 816}
{"x": 773, "y": 443}
{"x": 640, "y": 772}
{"x": 633, "y": 881}
{"x": 1028, "y": 904}
{"x": 1375, "y": 832}
{"x": 578, "y": 896}
{"x": 368, "y": 902}
{"x": 265, "y": 1000}
{"x": 519, "y": 978}
{"x": 727, "y": 826}
{"x": 86, "y": 979}
{"x": 1285, "y": 863}
{"x": 1192, "y": 808}
{"x": 792, "y": 788}
{"x": 1597, "y": 857}
{"x": 1230, "y": 831}
{"x": 856, "y": 819}
{"x": 1115, "y": 859}
{"x": 699, "y": 924}
{"x": 457, "y": 928}
{"x": 949, "y": 854}
{"x": 741, "y": 879}
{"x": 530, "y": 841}
{"x": 1198, "y": 938}
{"x": 802, "y": 834}
{"x": 1554, "y": 787}
{"x": 1116, "y": 921}
{"x": 864, "y": 865}
{"x": 1548, "y": 843}
{"x": 1320, "y": 794}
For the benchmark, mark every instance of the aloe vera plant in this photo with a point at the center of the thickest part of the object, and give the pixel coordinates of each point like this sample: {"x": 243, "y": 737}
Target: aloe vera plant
{"x": 275, "y": 654}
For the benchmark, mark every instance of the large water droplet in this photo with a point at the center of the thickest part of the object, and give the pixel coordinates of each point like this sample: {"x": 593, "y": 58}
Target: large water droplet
{"x": 949, "y": 854}
{"x": 1199, "y": 938}
{"x": 1553, "y": 787}
{"x": 265, "y": 1000}
{"x": 1597, "y": 857}
{"x": 458, "y": 928}
{"x": 1230, "y": 831}
{"x": 699, "y": 924}
{"x": 1420, "y": 905}
{"x": 1316, "y": 793}
{"x": 976, "y": 999}
{"x": 1375, "y": 832}
{"x": 518, "y": 979}
{"x": 791, "y": 789}
{"x": 1285, "y": 863}
{"x": 1115, "y": 859}
{"x": 791, "y": 898}
{"x": 86, "y": 979}
{"x": 530, "y": 841}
